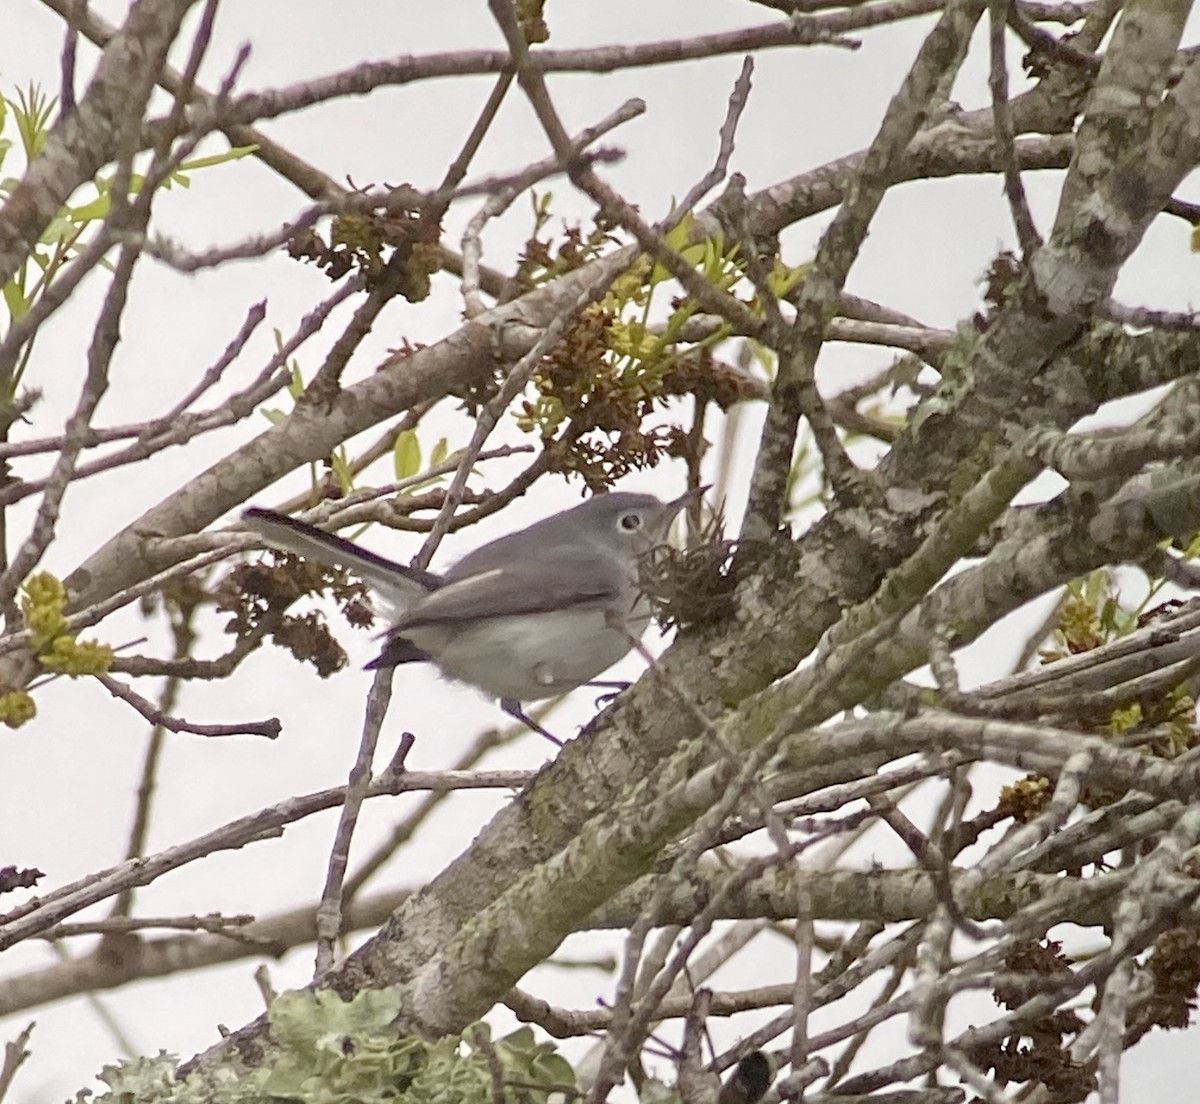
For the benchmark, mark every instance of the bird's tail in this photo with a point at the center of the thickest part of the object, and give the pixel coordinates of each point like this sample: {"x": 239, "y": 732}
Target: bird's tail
{"x": 394, "y": 582}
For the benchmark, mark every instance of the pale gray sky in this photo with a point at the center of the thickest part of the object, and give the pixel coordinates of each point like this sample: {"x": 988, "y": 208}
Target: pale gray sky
{"x": 79, "y": 762}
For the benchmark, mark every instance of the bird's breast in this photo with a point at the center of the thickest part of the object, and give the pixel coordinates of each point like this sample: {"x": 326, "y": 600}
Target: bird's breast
{"x": 530, "y": 656}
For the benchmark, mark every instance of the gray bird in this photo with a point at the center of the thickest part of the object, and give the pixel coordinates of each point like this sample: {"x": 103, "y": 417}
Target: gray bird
{"x": 531, "y": 615}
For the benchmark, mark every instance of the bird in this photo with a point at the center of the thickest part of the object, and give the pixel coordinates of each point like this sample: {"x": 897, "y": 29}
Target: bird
{"x": 528, "y": 616}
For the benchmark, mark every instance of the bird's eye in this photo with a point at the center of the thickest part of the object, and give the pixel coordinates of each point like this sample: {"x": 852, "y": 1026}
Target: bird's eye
{"x": 630, "y": 522}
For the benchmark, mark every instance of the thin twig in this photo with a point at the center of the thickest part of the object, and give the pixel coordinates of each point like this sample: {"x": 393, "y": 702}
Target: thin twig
{"x": 66, "y": 87}
{"x": 488, "y": 417}
{"x": 1014, "y": 190}
{"x": 726, "y": 136}
{"x": 405, "y": 829}
{"x": 40, "y": 913}
{"x": 214, "y": 923}
{"x": 270, "y": 728}
{"x": 329, "y": 912}
{"x": 504, "y": 194}
{"x": 95, "y": 384}
{"x": 15, "y": 1053}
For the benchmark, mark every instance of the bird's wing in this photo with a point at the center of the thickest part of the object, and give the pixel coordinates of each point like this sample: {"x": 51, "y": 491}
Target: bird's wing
{"x": 547, "y": 537}
{"x": 585, "y": 578}
{"x": 391, "y": 579}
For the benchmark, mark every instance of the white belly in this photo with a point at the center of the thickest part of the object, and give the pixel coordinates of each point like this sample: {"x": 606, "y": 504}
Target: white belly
{"x": 528, "y": 657}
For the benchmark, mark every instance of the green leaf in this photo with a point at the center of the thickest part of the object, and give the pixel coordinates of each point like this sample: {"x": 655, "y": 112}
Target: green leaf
{"x": 677, "y": 239}
{"x": 89, "y": 212}
{"x": 32, "y": 110}
{"x": 658, "y": 273}
{"x": 681, "y": 232}
{"x": 273, "y": 415}
{"x": 339, "y": 461}
{"x": 765, "y": 357}
{"x": 296, "y": 387}
{"x": 234, "y": 153}
{"x": 406, "y": 455}
{"x": 782, "y": 279}
{"x": 60, "y": 229}
{"x": 14, "y": 299}
{"x": 541, "y": 208}
{"x": 440, "y": 451}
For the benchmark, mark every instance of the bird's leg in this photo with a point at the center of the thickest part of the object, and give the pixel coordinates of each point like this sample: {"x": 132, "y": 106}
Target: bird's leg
{"x": 513, "y": 708}
{"x": 614, "y": 688}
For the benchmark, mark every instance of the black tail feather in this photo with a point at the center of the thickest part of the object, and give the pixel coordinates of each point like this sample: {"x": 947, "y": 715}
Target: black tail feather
{"x": 396, "y": 651}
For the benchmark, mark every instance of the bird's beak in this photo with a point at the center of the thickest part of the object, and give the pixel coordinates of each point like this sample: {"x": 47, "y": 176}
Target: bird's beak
{"x": 685, "y": 499}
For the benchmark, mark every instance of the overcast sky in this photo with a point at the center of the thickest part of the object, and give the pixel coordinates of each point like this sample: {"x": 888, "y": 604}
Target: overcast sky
{"x": 81, "y": 758}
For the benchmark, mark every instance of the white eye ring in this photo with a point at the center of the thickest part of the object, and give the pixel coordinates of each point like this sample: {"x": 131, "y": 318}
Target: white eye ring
{"x": 630, "y": 522}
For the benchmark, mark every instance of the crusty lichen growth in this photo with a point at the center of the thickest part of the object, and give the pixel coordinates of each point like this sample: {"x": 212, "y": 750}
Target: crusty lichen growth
{"x": 334, "y": 1051}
